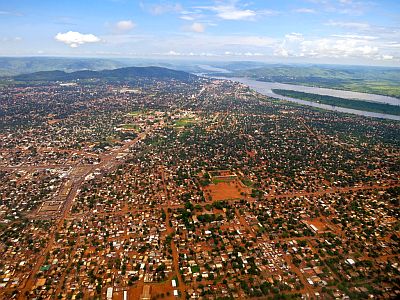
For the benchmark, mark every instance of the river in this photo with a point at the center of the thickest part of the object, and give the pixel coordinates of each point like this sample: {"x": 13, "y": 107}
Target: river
{"x": 265, "y": 88}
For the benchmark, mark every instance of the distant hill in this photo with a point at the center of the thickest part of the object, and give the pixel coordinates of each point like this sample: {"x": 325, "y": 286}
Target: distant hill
{"x": 11, "y": 66}
{"x": 129, "y": 73}
{"x": 321, "y": 72}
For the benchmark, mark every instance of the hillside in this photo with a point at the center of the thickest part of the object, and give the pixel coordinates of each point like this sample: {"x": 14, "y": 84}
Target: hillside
{"x": 128, "y": 73}
{"x": 11, "y": 66}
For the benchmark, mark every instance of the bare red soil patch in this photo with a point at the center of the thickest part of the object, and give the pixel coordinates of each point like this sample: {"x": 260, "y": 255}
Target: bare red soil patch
{"x": 226, "y": 190}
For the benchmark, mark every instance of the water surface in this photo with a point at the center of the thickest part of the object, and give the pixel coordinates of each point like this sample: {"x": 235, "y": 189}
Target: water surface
{"x": 265, "y": 88}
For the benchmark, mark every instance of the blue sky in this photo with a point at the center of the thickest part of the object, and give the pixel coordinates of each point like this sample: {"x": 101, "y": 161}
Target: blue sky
{"x": 318, "y": 31}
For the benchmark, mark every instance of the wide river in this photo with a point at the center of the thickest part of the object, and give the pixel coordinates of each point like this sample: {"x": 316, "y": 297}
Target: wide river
{"x": 265, "y": 88}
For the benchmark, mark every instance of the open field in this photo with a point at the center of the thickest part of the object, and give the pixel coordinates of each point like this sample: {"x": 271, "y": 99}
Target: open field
{"x": 184, "y": 122}
{"x": 132, "y": 127}
{"x": 226, "y": 190}
{"x": 135, "y": 113}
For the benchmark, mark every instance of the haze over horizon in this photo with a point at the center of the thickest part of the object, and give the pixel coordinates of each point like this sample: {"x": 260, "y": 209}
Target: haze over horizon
{"x": 300, "y": 31}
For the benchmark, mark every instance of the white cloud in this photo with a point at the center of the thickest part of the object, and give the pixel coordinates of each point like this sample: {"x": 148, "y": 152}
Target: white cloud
{"x": 338, "y": 48}
{"x": 341, "y": 47}
{"x": 393, "y": 45}
{"x": 173, "y": 53}
{"x": 125, "y": 25}
{"x": 345, "y": 46}
{"x": 355, "y": 36}
{"x": 231, "y": 12}
{"x": 10, "y": 13}
{"x": 387, "y": 57}
{"x": 304, "y": 10}
{"x": 197, "y": 27}
{"x": 210, "y": 45}
{"x": 14, "y": 39}
{"x": 187, "y": 18}
{"x": 162, "y": 8}
{"x": 257, "y": 41}
{"x": 74, "y": 39}
{"x": 252, "y": 54}
{"x": 351, "y": 25}
{"x": 189, "y": 15}
{"x": 281, "y": 51}
{"x": 346, "y": 7}
{"x": 211, "y": 54}
{"x": 294, "y": 36}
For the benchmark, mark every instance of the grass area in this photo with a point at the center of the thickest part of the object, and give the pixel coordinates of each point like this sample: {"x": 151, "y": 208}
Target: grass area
{"x": 195, "y": 269}
{"x": 130, "y": 127}
{"x": 135, "y": 113}
{"x": 226, "y": 179}
{"x": 140, "y": 112}
{"x": 247, "y": 182}
{"x": 184, "y": 122}
{"x": 216, "y": 181}
{"x": 156, "y": 141}
{"x": 341, "y": 102}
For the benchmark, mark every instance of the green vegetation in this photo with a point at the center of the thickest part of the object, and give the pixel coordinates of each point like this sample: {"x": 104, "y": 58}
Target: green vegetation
{"x": 208, "y": 218}
{"x": 184, "y": 122}
{"x": 130, "y": 74}
{"x": 247, "y": 182}
{"x": 216, "y": 180}
{"x": 375, "y": 80}
{"x": 205, "y": 180}
{"x": 10, "y": 66}
{"x": 130, "y": 127}
{"x": 140, "y": 112}
{"x": 341, "y": 102}
{"x": 195, "y": 269}
{"x": 136, "y": 113}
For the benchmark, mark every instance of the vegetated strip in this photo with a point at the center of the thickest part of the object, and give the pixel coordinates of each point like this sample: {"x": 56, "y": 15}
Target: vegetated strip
{"x": 342, "y": 102}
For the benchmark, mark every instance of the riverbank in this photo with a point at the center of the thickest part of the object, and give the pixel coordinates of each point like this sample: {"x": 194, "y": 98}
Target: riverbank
{"x": 383, "y": 108}
{"x": 266, "y": 88}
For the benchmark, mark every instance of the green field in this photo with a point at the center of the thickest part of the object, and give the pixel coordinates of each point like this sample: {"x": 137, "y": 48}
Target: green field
{"x": 133, "y": 127}
{"x": 135, "y": 113}
{"x": 184, "y": 122}
{"x": 247, "y": 182}
{"x": 341, "y": 102}
{"x": 216, "y": 181}
{"x": 195, "y": 269}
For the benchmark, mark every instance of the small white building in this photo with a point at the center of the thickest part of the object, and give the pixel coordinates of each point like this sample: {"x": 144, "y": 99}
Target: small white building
{"x": 109, "y": 293}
